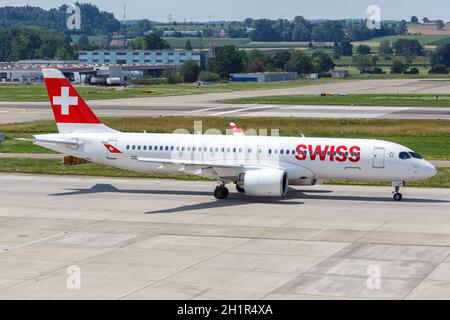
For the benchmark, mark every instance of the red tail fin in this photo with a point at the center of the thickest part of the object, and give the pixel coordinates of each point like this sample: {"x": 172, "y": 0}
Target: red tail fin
{"x": 70, "y": 110}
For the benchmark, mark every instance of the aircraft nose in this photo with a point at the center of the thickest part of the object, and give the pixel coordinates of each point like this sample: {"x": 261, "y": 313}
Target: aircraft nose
{"x": 428, "y": 170}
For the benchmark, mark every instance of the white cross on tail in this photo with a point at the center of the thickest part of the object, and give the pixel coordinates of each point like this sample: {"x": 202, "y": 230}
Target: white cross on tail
{"x": 65, "y": 101}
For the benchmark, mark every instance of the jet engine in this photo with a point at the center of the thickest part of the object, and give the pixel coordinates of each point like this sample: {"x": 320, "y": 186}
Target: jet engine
{"x": 264, "y": 182}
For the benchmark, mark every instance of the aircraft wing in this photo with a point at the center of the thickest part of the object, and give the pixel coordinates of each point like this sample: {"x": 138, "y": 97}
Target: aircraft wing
{"x": 63, "y": 142}
{"x": 182, "y": 162}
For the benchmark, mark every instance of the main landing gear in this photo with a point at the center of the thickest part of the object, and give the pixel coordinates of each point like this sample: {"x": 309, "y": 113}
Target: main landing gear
{"x": 221, "y": 192}
{"x": 397, "y": 195}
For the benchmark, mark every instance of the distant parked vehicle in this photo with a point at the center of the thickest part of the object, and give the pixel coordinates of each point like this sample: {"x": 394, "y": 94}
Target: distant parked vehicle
{"x": 113, "y": 81}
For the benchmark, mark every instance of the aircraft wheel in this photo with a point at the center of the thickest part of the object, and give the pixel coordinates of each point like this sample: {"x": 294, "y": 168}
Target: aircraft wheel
{"x": 221, "y": 193}
{"x": 398, "y": 197}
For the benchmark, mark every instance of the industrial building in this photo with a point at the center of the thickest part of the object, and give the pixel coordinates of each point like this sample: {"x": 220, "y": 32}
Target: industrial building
{"x": 138, "y": 57}
{"x": 263, "y": 77}
{"x": 339, "y": 73}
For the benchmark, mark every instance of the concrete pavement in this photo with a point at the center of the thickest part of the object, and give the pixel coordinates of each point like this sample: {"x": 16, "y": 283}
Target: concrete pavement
{"x": 163, "y": 239}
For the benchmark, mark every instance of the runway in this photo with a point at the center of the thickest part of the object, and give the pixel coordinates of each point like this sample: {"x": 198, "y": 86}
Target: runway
{"x": 161, "y": 239}
{"x": 211, "y": 105}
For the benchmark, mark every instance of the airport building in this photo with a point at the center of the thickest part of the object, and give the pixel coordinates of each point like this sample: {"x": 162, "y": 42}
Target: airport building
{"x": 263, "y": 77}
{"x": 138, "y": 57}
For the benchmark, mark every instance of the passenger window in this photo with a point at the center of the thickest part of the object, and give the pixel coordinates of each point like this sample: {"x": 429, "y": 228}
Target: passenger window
{"x": 167, "y": 148}
{"x": 128, "y": 147}
{"x": 161, "y": 148}
{"x": 270, "y": 151}
{"x": 217, "y": 149}
{"x": 150, "y": 148}
{"x": 145, "y": 147}
{"x": 287, "y": 151}
{"x": 134, "y": 147}
{"x": 249, "y": 150}
{"x": 404, "y": 155}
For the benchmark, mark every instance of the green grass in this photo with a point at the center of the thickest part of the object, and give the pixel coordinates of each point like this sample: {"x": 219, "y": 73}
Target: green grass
{"x": 38, "y": 92}
{"x": 431, "y": 138}
{"x": 422, "y": 100}
{"x": 441, "y": 180}
{"x": 423, "y": 39}
{"x": 198, "y": 43}
{"x": 55, "y": 167}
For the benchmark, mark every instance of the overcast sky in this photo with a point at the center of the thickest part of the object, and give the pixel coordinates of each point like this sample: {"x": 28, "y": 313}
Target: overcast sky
{"x": 200, "y": 10}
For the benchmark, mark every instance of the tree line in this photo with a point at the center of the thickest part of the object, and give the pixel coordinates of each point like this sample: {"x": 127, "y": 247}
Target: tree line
{"x": 93, "y": 20}
{"x": 34, "y": 43}
{"x": 300, "y": 29}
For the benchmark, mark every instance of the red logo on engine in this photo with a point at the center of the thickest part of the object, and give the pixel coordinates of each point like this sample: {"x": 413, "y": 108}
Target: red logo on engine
{"x": 331, "y": 153}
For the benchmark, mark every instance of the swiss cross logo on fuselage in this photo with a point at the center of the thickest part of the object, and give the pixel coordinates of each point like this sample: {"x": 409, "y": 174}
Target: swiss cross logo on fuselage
{"x": 328, "y": 152}
{"x": 65, "y": 101}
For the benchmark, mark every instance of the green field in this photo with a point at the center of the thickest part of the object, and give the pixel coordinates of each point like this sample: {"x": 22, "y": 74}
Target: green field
{"x": 431, "y": 138}
{"x": 38, "y": 92}
{"x": 424, "y": 40}
{"x": 197, "y": 43}
{"x": 423, "y": 100}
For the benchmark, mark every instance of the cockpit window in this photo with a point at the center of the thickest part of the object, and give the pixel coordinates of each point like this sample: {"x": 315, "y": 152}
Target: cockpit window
{"x": 415, "y": 155}
{"x": 404, "y": 155}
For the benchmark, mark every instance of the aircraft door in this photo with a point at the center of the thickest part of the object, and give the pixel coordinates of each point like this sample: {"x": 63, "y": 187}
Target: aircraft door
{"x": 378, "y": 158}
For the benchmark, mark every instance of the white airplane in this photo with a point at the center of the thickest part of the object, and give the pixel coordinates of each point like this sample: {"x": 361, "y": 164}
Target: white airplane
{"x": 258, "y": 165}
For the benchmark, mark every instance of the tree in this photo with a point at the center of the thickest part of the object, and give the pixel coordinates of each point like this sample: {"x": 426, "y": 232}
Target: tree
{"x": 328, "y": 30}
{"x": 190, "y": 71}
{"x": 321, "y": 62}
{"x": 256, "y": 66}
{"x": 364, "y": 62}
{"x": 280, "y": 59}
{"x": 385, "y": 48}
{"x": 188, "y": 45}
{"x": 83, "y": 41}
{"x": 299, "y": 62}
{"x": 414, "y": 19}
{"x": 440, "y": 24}
{"x": 207, "y": 76}
{"x": 229, "y": 60}
{"x": 439, "y": 69}
{"x": 399, "y": 67}
{"x": 441, "y": 55}
{"x": 265, "y": 31}
{"x": 343, "y": 48}
{"x": 172, "y": 75}
{"x": 363, "y": 49}
{"x": 149, "y": 42}
{"x": 406, "y": 47}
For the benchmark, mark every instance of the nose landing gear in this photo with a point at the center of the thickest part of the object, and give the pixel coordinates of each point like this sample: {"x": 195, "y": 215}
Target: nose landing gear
{"x": 397, "y": 195}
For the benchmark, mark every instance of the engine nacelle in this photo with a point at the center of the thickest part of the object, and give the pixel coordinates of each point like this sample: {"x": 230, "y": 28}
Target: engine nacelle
{"x": 265, "y": 182}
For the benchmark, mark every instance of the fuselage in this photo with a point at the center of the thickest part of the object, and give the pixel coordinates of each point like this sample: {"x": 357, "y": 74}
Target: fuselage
{"x": 304, "y": 159}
